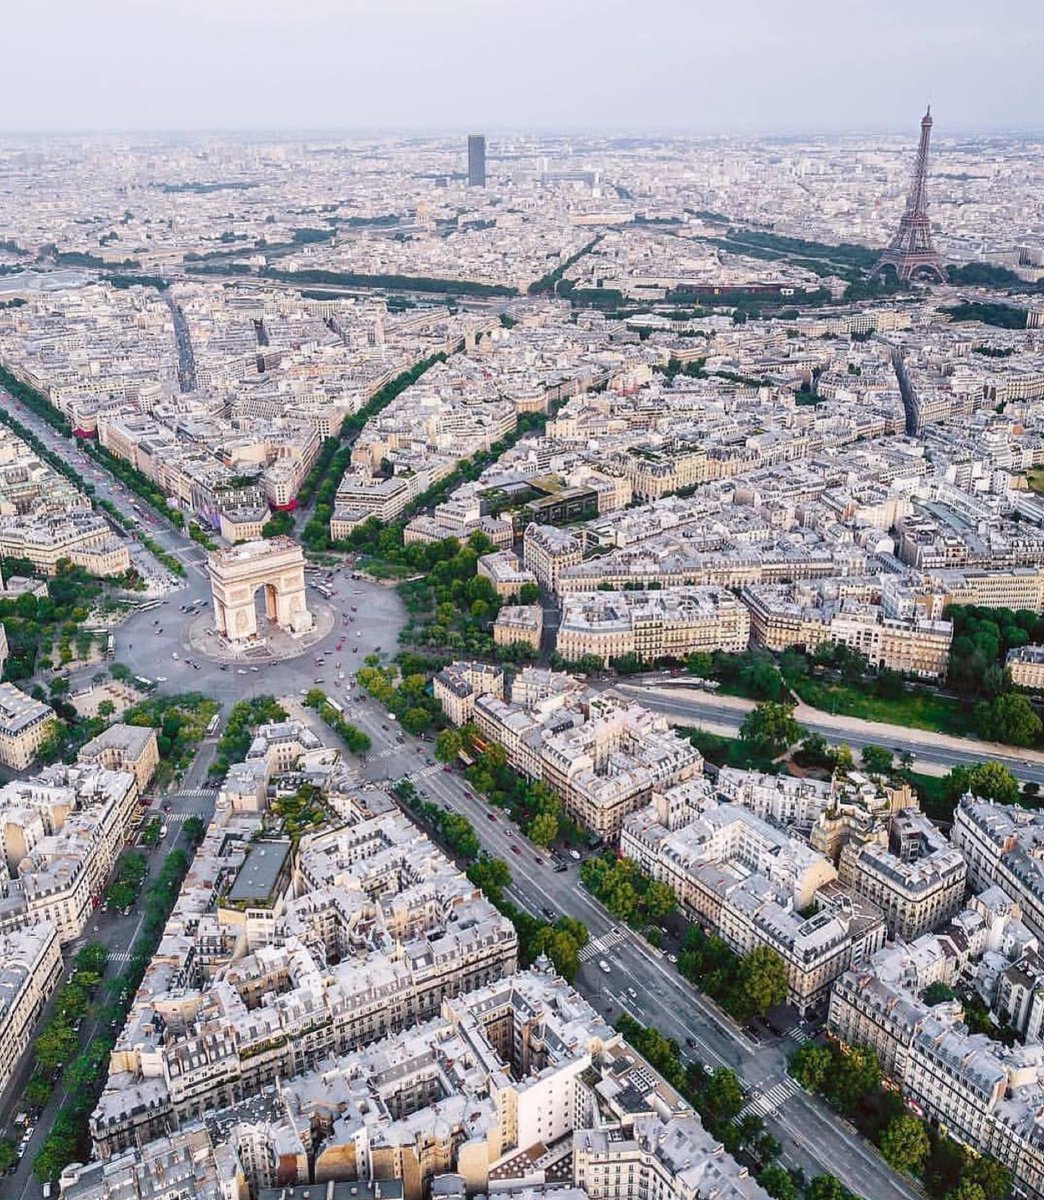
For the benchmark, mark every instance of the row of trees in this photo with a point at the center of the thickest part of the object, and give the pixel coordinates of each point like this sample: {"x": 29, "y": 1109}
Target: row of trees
{"x": 530, "y": 803}
{"x": 325, "y": 476}
{"x": 409, "y": 283}
{"x": 407, "y": 697}
{"x": 561, "y": 940}
{"x": 850, "y": 1080}
{"x": 719, "y": 1099}
{"x": 238, "y": 733}
{"x": 357, "y": 741}
{"x": 746, "y": 987}
{"x": 84, "y": 1076}
{"x": 628, "y": 893}
{"x": 455, "y": 831}
{"x": 38, "y": 403}
{"x": 130, "y": 874}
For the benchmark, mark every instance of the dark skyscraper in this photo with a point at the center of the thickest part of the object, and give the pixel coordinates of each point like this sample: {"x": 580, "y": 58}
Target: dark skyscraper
{"x": 476, "y": 160}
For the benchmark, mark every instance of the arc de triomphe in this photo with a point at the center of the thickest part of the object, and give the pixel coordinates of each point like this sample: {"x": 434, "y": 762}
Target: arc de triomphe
{"x": 236, "y": 573}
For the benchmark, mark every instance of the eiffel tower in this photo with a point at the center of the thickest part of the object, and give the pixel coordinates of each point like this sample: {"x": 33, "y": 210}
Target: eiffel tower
{"x": 911, "y": 251}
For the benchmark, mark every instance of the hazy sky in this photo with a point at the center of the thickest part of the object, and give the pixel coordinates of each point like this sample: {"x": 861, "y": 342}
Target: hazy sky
{"x": 628, "y": 65}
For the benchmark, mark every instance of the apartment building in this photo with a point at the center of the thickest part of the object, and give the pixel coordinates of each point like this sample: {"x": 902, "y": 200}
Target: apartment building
{"x": 1002, "y": 846}
{"x": 129, "y": 748}
{"x": 62, "y": 833}
{"x": 505, "y": 571}
{"x": 459, "y": 685}
{"x": 811, "y": 615}
{"x": 519, "y": 624}
{"x": 608, "y": 766}
{"x": 24, "y": 723}
{"x": 30, "y": 968}
{"x": 754, "y": 885}
{"x": 365, "y": 934}
{"x": 917, "y": 879}
{"x": 547, "y": 551}
{"x": 515, "y": 1088}
{"x": 1026, "y": 664}
{"x": 671, "y": 623}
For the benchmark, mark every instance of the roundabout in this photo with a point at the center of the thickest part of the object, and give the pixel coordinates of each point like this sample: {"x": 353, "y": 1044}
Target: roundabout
{"x": 272, "y": 643}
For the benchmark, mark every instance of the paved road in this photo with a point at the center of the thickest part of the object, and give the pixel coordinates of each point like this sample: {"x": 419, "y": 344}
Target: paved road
{"x": 117, "y": 933}
{"x": 725, "y": 714}
{"x": 812, "y": 1136}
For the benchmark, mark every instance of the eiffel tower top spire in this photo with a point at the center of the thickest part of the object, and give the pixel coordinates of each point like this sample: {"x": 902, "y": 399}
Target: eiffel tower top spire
{"x": 911, "y": 251}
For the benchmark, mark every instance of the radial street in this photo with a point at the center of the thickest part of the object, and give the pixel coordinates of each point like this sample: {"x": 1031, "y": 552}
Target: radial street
{"x": 812, "y": 1136}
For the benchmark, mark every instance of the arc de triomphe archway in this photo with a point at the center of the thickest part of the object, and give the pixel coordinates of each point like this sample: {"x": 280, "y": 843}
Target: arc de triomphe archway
{"x": 277, "y": 565}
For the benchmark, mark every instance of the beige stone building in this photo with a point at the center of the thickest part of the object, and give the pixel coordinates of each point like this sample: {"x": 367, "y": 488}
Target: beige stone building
{"x": 1026, "y": 664}
{"x": 753, "y": 885}
{"x": 30, "y": 968}
{"x": 519, "y": 623}
{"x": 668, "y": 623}
{"x": 790, "y": 615}
{"x": 505, "y": 572}
{"x": 459, "y": 685}
{"x": 24, "y": 723}
{"x": 244, "y": 524}
{"x": 131, "y": 748}
{"x": 916, "y": 877}
{"x": 547, "y": 551}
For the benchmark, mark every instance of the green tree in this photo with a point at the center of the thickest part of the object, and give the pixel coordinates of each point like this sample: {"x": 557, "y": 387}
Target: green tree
{"x": 38, "y": 1091}
{"x": 938, "y": 993}
{"x": 966, "y": 1189}
{"x": 55, "y": 1045}
{"x": 988, "y": 1174}
{"x": 810, "y": 1065}
{"x": 770, "y": 728}
{"x": 827, "y": 1187}
{"x": 877, "y": 760}
{"x": 761, "y": 982}
{"x": 1009, "y": 719}
{"x": 904, "y": 1143}
{"x": 993, "y": 781}
{"x": 856, "y": 1074}
{"x": 843, "y": 759}
{"x": 543, "y": 829}
{"x": 777, "y": 1181}
{"x": 492, "y": 875}
{"x": 448, "y": 745}
{"x": 416, "y": 720}
{"x": 106, "y": 708}
{"x": 8, "y": 1154}
{"x": 529, "y": 593}
{"x": 722, "y": 1095}
{"x": 194, "y": 829}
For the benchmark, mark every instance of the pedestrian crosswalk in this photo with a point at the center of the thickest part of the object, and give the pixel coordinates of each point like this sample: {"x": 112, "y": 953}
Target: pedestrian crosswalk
{"x": 195, "y": 793}
{"x": 797, "y": 1034}
{"x": 763, "y": 1104}
{"x": 425, "y": 772}
{"x": 602, "y": 944}
{"x": 119, "y": 956}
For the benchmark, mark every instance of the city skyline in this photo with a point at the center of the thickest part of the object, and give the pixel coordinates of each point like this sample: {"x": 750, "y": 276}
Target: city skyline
{"x": 441, "y": 66}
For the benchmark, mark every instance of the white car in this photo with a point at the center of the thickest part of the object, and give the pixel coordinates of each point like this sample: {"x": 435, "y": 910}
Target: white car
{"x": 604, "y": 965}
